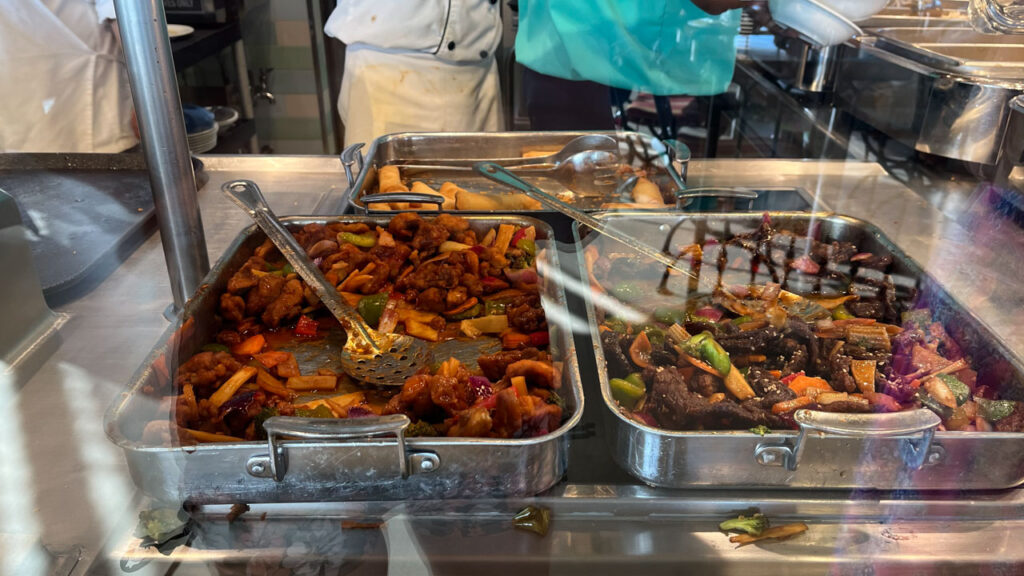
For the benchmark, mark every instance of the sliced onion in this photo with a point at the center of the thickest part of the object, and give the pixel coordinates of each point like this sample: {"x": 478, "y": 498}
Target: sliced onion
{"x": 711, "y": 313}
{"x": 522, "y": 276}
{"x": 805, "y": 265}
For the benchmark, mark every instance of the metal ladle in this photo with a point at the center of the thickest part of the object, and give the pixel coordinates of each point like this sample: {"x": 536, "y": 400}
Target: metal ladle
{"x": 368, "y": 355}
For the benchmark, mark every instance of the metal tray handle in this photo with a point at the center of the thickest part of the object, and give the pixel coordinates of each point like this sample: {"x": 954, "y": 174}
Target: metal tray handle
{"x": 388, "y": 197}
{"x": 915, "y": 451}
{"x": 352, "y": 158}
{"x": 279, "y": 428}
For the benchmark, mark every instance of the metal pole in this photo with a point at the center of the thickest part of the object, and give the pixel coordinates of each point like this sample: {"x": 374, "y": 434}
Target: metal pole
{"x": 147, "y": 52}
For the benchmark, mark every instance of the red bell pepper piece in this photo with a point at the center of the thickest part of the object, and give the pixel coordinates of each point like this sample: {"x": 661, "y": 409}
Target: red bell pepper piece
{"x": 539, "y": 338}
{"x": 792, "y": 377}
{"x": 306, "y": 326}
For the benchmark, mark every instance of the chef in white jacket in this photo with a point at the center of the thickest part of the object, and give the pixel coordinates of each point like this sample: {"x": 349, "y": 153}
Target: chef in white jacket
{"x": 417, "y": 65}
{"x": 63, "y": 78}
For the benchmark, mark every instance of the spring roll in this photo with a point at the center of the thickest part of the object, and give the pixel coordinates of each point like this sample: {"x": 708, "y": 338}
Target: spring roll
{"x": 390, "y": 180}
{"x": 466, "y": 200}
{"x": 421, "y": 188}
{"x": 647, "y": 193}
{"x": 450, "y": 192}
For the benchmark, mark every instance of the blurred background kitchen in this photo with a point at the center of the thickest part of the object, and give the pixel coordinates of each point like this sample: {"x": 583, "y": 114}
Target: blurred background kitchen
{"x": 920, "y": 91}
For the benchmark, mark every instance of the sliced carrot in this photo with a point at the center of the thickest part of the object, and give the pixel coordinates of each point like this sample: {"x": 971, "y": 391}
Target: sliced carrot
{"x": 272, "y": 358}
{"x": 864, "y": 376}
{"x": 512, "y": 340}
{"x": 716, "y": 397}
{"x": 250, "y": 346}
{"x": 776, "y": 373}
{"x": 790, "y": 405}
{"x": 801, "y": 383}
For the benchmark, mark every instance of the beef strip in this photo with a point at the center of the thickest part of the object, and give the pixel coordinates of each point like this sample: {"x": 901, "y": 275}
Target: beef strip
{"x": 619, "y": 364}
{"x": 839, "y": 373}
{"x": 705, "y": 384}
{"x": 494, "y": 365}
{"x": 526, "y": 318}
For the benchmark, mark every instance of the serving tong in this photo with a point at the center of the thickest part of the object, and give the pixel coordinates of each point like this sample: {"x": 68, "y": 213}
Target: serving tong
{"x": 368, "y": 355}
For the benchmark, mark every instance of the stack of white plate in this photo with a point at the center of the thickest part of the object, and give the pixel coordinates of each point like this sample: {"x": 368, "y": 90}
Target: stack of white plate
{"x": 204, "y": 141}
{"x": 816, "y": 20}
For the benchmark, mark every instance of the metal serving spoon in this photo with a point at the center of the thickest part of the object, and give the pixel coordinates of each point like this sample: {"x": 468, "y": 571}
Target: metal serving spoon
{"x": 368, "y": 355}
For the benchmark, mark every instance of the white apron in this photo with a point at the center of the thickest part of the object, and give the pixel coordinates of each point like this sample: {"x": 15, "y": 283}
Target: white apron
{"x": 417, "y": 65}
{"x": 66, "y": 85}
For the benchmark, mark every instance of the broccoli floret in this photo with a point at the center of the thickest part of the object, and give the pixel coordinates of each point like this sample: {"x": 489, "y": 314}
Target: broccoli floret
{"x": 753, "y": 525}
{"x": 761, "y": 429}
{"x": 420, "y": 428}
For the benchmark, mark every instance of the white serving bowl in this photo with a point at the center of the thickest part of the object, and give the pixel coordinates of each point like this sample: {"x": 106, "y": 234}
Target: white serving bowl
{"x": 818, "y": 23}
{"x": 856, "y": 10}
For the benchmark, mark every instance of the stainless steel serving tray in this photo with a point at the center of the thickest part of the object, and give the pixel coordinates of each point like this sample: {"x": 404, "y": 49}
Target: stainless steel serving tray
{"x": 437, "y": 148}
{"x": 333, "y": 460}
{"x": 863, "y": 457}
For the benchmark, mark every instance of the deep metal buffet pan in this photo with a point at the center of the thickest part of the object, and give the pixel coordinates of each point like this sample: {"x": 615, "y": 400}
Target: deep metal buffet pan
{"x": 636, "y": 150}
{"x": 324, "y": 460}
{"x": 862, "y": 453}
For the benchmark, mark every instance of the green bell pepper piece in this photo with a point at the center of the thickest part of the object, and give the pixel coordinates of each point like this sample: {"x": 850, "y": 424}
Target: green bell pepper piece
{"x": 361, "y": 240}
{"x": 995, "y": 410}
{"x": 492, "y": 308}
{"x": 704, "y": 347}
{"x": 467, "y": 314}
{"x": 371, "y": 308}
{"x": 626, "y": 393}
{"x": 841, "y": 313}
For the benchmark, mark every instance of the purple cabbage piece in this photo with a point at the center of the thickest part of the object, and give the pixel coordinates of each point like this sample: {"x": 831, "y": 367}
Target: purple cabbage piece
{"x": 239, "y": 410}
{"x": 359, "y": 412}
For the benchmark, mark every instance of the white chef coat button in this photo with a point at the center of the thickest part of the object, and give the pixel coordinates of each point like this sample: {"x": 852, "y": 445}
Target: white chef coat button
{"x": 483, "y": 53}
{"x": 451, "y": 45}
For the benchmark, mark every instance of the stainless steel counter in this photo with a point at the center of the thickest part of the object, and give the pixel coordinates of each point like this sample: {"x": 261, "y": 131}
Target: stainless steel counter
{"x": 65, "y": 487}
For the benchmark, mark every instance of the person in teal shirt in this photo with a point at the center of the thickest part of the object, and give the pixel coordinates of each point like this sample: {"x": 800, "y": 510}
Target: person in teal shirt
{"x": 573, "y": 50}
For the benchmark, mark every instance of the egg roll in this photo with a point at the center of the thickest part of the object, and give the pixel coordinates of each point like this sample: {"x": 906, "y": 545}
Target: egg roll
{"x": 390, "y": 180}
{"x": 421, "y": 188}
{"x": 465, "y": 200}
{"x": 647, "y": 193}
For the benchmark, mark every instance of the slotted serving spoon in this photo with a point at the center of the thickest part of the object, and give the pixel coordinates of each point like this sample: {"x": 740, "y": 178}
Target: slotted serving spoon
{"x": 368, "y": 355}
